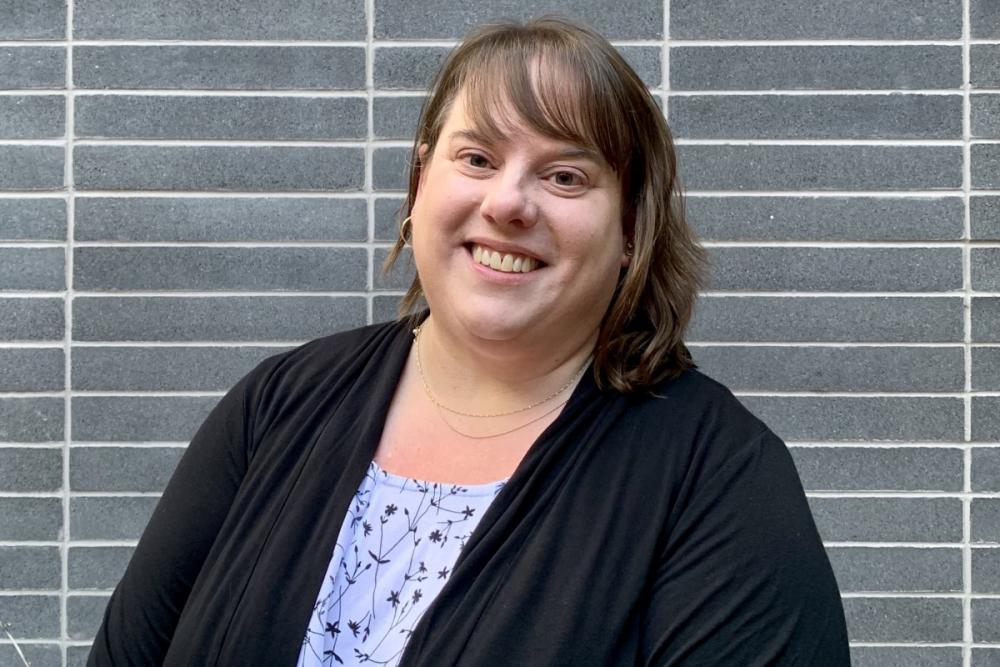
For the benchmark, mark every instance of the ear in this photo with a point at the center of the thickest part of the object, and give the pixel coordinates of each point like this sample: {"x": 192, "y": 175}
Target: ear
{"x": 626, "y": 252}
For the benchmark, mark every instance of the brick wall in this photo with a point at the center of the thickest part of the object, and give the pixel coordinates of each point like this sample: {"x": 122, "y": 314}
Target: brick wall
{"x": 187, "y": 187}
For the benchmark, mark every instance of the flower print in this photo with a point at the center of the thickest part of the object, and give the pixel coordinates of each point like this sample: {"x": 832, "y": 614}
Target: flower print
{"x": 333, "y": 628}
{"x": 334, "y": 654}
{"x": 368, "y": 528}
{"x": 390, "y": 509}
{"x": 417, "y": 595}
{"x": 443, "y": 573}
{"x": 435, "y": 536}
{"x": 354, "y": 626}
{"x": 422, "y": 568}
{"x": 468, "y": 512}
{"x": 393, "y": 598}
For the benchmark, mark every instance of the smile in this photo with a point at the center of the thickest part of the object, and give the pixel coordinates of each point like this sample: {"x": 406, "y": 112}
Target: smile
{"x": 504, "y": 262}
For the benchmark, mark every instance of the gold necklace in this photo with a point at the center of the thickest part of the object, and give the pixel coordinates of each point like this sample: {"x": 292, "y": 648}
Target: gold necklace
{"x": 508, "y": 431}
{"x": 441, "y": 406}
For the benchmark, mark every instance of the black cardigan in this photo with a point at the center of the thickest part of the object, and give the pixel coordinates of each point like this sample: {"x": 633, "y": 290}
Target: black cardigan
{"x": 670, "y": 529}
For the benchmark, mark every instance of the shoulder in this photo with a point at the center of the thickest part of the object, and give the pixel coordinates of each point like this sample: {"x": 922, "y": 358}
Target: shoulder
{"x": 696, "y": 424}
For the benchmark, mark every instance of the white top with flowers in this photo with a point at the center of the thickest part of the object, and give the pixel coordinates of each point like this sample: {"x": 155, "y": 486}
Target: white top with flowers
{"x": 394, "y": 553}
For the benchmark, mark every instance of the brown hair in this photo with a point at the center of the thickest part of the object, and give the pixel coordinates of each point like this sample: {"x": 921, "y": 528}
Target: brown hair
{"x": 567, "y": 82}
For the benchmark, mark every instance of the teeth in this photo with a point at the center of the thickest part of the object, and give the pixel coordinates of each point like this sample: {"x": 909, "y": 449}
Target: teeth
{"x": 506, "y": 263}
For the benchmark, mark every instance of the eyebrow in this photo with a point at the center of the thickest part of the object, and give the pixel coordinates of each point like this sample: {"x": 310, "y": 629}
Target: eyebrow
{"x": 572, "y": 151}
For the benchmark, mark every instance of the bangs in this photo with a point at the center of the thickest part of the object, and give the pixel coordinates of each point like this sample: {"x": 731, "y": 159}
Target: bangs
{"x": 552, "y": 88}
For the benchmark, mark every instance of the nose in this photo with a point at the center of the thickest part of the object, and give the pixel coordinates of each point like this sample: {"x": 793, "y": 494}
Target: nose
{"x": 508, "y": 200}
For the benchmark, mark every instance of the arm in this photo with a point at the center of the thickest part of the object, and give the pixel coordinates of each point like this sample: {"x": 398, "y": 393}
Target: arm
{"x": 142, "y": 613}
{"x": 744, "y": 579}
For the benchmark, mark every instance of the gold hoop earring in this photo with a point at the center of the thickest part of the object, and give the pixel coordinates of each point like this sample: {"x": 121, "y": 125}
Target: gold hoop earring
{"x": 629, "y": 248}
{"x": 406, "y": 230}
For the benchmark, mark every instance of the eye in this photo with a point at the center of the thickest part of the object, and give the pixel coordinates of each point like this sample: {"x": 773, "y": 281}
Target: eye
{"x": 567, "y": 179}
{"x": 476, "y": 160}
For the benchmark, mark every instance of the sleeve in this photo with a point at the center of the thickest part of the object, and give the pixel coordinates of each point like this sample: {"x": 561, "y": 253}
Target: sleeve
{"x": 143, "y": 611}
{"x": 744, "y": 579}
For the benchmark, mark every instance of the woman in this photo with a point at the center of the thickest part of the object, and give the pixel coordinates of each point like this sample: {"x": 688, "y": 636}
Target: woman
{"x": 531, "y": 473}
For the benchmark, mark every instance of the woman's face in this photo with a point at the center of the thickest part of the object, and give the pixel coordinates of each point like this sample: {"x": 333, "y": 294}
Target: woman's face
{"x": 517, "y": 240}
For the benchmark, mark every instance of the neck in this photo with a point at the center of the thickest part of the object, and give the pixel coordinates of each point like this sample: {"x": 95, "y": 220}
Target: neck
{"x": 490, "y": 376}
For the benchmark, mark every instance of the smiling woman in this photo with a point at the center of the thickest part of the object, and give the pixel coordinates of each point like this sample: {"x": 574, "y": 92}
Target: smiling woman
{"x": 525, "y": 468}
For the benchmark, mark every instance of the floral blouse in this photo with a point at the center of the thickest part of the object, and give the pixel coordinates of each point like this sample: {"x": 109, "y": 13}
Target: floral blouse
{"x": 394, "y": 553}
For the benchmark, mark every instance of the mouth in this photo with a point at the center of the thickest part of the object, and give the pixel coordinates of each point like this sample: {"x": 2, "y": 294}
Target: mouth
{"x": 504, "y": 262}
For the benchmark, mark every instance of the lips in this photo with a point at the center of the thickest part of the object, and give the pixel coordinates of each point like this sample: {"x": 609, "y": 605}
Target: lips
{"x": 508, "y": 262}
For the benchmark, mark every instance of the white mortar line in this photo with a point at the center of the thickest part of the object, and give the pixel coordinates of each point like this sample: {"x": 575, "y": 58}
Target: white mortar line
{"x": 369, "y": 153}
{"x": 967, "y": 635}
{"x": 68, "y": 340}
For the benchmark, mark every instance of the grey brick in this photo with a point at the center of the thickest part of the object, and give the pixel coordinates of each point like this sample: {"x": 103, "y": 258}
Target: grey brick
{"x": 836, "y": 269}
{"x": 84, "y": 614}
{"x": 829, "y": 319}
{"x": 888, "y": 519}
{"x": 226, "y": 168}
{"x": 24, "y": 568}
{"x": 76, "y": 656}
{"x": 442, "y": 19}
{"x": 848, "y": 418}
{"x": 985, "y": 62}
{"x": 985, "y": 570}
{"x": 904, "y": 619}
{"x": 879, "y": 469}
{"x": 407, "y": 68}
{"x": 32, "y": 269}
{"x": 984, "y": 16}
{"x": 31, "y": 419}
{"x": 986, "y": 656}
{"x": 399, "y": 277}
{"x": 172, "y": 117}
{"x": 396, "y": 117}
{"x": 986, "y": 418}
{"x": 139, "y": 418}
{"x": 220, "y": 67}
{"x": 97, "y": 568}
{"x": 226, "y": 19}
{"x": 905, "y": 656}
{"x": 31, "y": 369}
{"x": 214, "y": 318}
{"x": 816, "y": 116}
{"x": 390, "y": 167}
{"x": 985, "y": 116}
{"x": 122, "y": 468}
{"x": 109, "y": 518}
{"x": 897, "y": 569}
{"x": 986, "y": 469}
{"x": 986, "y": 520}
{"x": 985, "y": 320}
{"x": 384, "y": 308}
{"x": 38, "y": 655}
{"x": 985, "y": 217}
{"x": 164, "y": 369}
{"x": 32, "y": 220}
{"x": 23, "y": 519}
{"x": 165, "y": 268}
{"x": 986, "y": 620}
{"x": 822, "y": 218}
{"x": 31, "y": 616}
{"x": 819, "y": 67}
{"x": 721, "y": 167}
{"x": 834, "y": 369}
{"x": 31, "y": 167}
{"x": 220, "y": 219}
{"x": 31, "y": 319}
{"x": 29, "y": 67}
{"x": 386, "y": 227}
{"x": 32, "y": 116}
{"x": 645, "y": 60}
{"x": 986, "y": 269}
{"x": 843, "y": 19}
{"x": 33, "y": 19}
{"x": 985, "y": 166}
{"x": 30, "y": 469}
